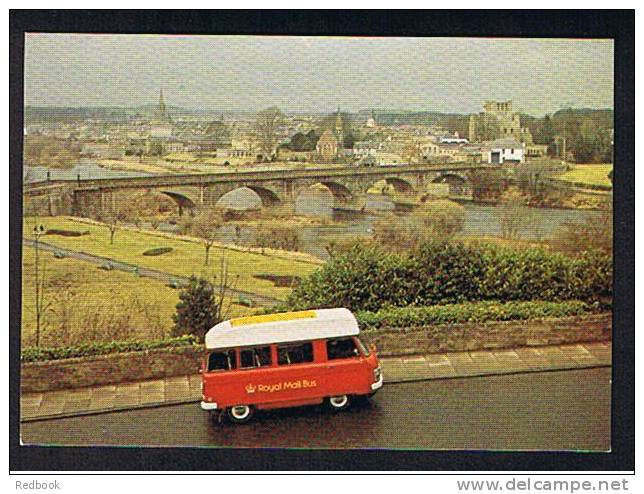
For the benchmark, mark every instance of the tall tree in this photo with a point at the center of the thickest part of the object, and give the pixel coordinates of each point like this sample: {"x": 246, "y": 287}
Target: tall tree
{"x": 206, "y": 225}
{"x": 266, "y": 125}
{"x": 197, "y": 310}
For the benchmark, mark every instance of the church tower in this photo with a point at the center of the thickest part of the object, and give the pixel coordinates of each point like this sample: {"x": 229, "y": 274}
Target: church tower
{"x": 339, "y": 128}
{"x": 162, "y": 113}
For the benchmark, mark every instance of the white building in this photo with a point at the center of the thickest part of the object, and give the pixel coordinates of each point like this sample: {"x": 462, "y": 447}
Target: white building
{"x": 453, "y": 140}
{"x": 504, "y": 150}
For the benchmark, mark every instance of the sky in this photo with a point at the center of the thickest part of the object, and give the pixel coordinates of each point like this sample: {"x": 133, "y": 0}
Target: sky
{"x": 317, "y": 74}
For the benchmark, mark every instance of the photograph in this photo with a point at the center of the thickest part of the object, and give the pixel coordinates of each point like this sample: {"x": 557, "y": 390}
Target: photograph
{"x": 317, "y": 242}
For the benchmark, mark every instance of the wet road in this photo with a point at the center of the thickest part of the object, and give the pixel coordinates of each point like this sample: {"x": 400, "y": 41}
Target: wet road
{"x": 548, "y": 410}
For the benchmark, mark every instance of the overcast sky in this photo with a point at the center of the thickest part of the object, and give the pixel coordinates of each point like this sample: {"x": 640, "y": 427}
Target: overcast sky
{"x": 317, "y": 74}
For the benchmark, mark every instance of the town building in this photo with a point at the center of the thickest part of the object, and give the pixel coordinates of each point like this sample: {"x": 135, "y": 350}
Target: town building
{"x": 504, "y": 150}
{"x": 498, "y": 120}
{"x": 327, "y": 146}
{"x": 102, "y": 150}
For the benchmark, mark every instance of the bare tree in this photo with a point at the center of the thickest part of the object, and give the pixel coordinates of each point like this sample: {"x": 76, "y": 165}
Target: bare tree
{"x": 412, "y": 152}
{"x": 513, "y": 215}
{"x": 41, "y": 304}
{"x": 206, "y": 225}
{"x": 266, "y": 125}
{"x": 113, "y": 217}
{"x": 222, "y": 287}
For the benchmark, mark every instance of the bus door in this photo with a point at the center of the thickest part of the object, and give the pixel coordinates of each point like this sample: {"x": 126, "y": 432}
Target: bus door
{"x": 345, "y": 368}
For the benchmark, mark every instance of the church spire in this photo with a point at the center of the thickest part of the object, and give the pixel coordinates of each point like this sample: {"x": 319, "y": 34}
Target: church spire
{"x": 162, "y": 109}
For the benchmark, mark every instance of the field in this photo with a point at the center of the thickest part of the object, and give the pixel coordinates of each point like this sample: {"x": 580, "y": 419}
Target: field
{"x": 186, "y": 258}
{"x": 86, "y": 303}
{"x": 589, "y": 174}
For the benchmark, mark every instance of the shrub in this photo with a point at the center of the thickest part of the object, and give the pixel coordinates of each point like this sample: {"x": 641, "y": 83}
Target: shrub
{"x": 367, "y": 278}
{"x": 362, "y": 278}
{"x": 157, "y": 251}
{"x": 33, "y": 354}
{"x": 65, "y": 233}
{"x": 477, "y": 312}
{"x": 442, "y": 218}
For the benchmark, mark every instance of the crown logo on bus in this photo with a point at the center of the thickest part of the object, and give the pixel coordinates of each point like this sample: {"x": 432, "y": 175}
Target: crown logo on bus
{"x": 250, "y": 388}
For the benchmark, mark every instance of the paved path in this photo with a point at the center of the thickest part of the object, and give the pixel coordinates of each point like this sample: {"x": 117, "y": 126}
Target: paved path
{"x": 162, "y": 276}
{"x": 554, "y": 411}
{"x": 185, "y": 389}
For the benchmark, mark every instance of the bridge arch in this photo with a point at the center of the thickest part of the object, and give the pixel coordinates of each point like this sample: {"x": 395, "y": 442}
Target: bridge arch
{"x": 399, "y": 185}
{"x": 459, "y": 184}
{"x": 339, "y": 191}
{"x": 265, "y": 196}
{"x": 182, "y": 200}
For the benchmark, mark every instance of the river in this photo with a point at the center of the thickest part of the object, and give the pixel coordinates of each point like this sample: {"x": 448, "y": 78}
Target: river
{"x": 480, "y": 220}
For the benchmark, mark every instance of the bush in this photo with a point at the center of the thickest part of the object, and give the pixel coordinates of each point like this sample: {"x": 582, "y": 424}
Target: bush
{"x": 34, "y": 354}
{"x": 367, "y": 278}
{"x": 157, "y": 251}
{"x": 362, "y": 278}
{"x": 65, "y": 233}
{"x": 441, "y": 218}
{"x": 477, "y": 312}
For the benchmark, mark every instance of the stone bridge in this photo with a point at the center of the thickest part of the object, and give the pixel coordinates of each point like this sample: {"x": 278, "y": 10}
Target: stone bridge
{"x": 272, "y": 186}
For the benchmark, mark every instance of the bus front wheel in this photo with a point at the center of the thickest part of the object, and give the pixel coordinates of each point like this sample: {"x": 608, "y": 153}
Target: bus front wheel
{"x": 337, "y": 403}
{"x": 240, "y": 413}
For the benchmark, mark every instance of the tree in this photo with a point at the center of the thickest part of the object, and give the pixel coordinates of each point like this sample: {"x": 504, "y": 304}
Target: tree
{"x": 513, "y": 215}
{"x": 394, "y": 233}
{"x": 112, "y": 217}
{"x": 266, "y": 125}
{"x": 487, "y": 184}
{"x": 206, "y": 225}
{"x": 197, "y": 310}
{"x": 442, "y": 218}
{"x": 412, "y": 152}
{"x": 41, "y": 304}
{"x": 595, "y": 233}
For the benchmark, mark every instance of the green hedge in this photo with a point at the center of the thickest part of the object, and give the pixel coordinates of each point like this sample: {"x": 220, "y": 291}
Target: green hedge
{"x": 367, "y": 278}
{"x": 33, "y": 354}
{"x": 157, "y": 251}
{"x": 477, "y": 312}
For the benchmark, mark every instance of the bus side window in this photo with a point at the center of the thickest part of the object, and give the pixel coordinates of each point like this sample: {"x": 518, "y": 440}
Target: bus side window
{"x": 255, "y": 357}
{"x": 222, "y": 360}
{"x": 341, "y": 348}
{"x": 295, "y": 354}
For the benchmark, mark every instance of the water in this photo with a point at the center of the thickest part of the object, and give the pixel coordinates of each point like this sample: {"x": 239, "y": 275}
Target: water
{"x": 86, "y": 169}
{"x": 480, "y": 220}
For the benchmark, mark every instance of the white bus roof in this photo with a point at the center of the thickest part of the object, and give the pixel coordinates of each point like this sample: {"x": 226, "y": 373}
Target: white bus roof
{"x": 283, "y": 327}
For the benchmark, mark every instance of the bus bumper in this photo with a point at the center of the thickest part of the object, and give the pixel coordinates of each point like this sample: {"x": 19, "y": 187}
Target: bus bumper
{"x": 208, "y": 406}
{"x": 378, "y": 384}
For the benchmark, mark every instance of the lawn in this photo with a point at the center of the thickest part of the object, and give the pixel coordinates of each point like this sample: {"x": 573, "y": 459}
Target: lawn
{"x": 589, "y": 174}
{"x": 186, "y": 258}
{"x": 84, "y": 300}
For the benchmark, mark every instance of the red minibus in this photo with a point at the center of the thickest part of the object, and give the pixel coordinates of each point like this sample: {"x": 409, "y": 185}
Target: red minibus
{"x": 284, "y": 360}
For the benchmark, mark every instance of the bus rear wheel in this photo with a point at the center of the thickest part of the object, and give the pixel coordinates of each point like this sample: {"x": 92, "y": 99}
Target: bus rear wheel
{"x": 337, "y": 403}
{"x": 240, "y": 414}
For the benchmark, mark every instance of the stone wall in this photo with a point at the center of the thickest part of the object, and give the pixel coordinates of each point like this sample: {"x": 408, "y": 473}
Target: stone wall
{"x": 137, "y": 366}
{"x": 477, "y": 336}
{"x": 109, "y": 369}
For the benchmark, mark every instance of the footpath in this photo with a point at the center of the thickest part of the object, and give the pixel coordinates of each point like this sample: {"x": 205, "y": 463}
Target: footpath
{"x": 187, "y": 389}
